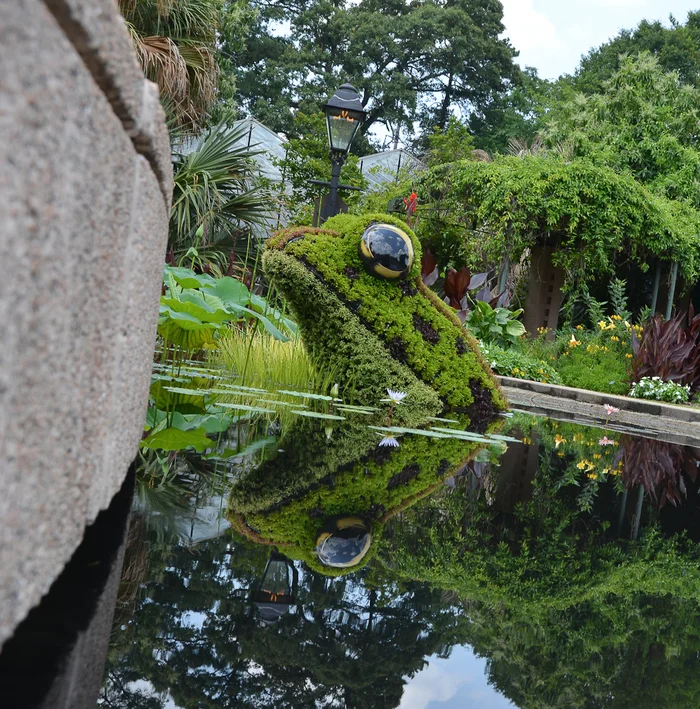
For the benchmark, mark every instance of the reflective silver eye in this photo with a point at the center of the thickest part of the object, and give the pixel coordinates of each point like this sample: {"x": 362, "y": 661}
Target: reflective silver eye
{"x": 386, "y": 251}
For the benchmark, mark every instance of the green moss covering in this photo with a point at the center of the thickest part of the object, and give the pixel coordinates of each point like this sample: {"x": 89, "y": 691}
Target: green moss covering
{"x": 377, "y": 333}
{"x": 353, "y": 477}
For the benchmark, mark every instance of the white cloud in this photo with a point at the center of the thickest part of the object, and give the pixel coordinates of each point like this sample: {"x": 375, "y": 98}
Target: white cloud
{"x": 529, "y": 31}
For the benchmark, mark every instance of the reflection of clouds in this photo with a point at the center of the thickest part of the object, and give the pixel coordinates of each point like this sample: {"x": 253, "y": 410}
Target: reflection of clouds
{"x": 146, "y": 689}
{"x": 458, "y": 682}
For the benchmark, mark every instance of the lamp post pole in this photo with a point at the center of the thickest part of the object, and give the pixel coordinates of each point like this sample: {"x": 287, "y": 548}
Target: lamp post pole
{"x": 331, "y": 207}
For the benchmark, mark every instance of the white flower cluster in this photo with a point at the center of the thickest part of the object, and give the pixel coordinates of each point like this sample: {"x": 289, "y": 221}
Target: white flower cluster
{"x": 656, "y": 388}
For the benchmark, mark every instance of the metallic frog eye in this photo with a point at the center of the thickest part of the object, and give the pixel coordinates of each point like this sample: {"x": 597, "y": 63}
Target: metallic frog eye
{"x": 386, "y": 251}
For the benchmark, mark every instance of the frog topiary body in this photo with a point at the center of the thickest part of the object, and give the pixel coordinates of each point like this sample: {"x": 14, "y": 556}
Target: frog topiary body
{"x": 376, "y": 334}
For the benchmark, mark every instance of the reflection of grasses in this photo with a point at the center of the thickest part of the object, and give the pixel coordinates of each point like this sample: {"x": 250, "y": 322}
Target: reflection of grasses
{"x": 261, "y": 361}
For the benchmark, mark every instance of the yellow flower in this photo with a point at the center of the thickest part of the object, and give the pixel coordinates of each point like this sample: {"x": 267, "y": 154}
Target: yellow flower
{"x": 558, "y": 440}
{"x": 597, "y": 456}
{"x": 615, "y": 338}
{"x": 579, "y": 327}
{"x": 602, "y": 324}
{"x": 573, "y": 342}
{"x": 628, "y": 355}
{"x": 560, "y": 454}
{"x": 616, "y": 317}
{"x": 580, "y": 465}
{"x": 593, "y": 476}
{"x": 527, "y": 441}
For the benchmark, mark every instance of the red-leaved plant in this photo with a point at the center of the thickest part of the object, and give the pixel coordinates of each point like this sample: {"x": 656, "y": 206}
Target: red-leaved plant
{"x": 664, "y": 469}
{"x": 669, "y": 349}
{"x": 457, "y": 284}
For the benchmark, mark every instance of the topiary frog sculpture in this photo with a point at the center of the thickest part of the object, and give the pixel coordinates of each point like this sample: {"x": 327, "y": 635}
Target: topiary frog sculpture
{"x": 364, "y": 312}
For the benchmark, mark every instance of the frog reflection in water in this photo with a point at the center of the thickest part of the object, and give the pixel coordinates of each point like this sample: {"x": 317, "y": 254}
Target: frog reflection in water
{"x": 364, "y": 313}
{"x": 326, "y": 502}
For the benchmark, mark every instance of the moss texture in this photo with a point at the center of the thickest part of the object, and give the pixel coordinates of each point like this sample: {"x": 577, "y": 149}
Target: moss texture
{"x": 352, "y": 477}
{"x": 377, "y": 333}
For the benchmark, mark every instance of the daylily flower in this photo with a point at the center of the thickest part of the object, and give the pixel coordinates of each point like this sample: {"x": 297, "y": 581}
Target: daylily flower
{"x": 395, "y": 397}
{"x": 558, "y": 440}
{"x": 389, "y": 442}
{"x": 605, "y": 441}
{"x": 609, "y": 410}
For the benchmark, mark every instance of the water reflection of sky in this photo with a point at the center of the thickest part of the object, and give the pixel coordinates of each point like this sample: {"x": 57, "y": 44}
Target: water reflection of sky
{"x": 458, "y": 682}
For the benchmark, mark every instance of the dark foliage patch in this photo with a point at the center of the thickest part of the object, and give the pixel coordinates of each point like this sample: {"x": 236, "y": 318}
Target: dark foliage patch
{"x": 404, "y": 477}
{"x": 397, "y": 349}
{"x": 428, "y": 332}
{"x": 352, "y": 273}
{"x": 461, "y": 346}
{"x": 381, "y": 454}
{"x": 443, "y": 467}
{"x": 407, "y": 288}
{"x": 375, "y": 511}
{"x": 482, "y": 411}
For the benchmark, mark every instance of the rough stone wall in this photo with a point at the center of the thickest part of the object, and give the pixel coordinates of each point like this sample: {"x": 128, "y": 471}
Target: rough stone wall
{"x": 85, "y": 189}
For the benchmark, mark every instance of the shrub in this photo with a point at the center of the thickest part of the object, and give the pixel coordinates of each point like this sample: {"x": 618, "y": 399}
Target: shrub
{"x": 495, "y": 325}
{"x": 659, "y": 390}
{"x": 513, "y": 363}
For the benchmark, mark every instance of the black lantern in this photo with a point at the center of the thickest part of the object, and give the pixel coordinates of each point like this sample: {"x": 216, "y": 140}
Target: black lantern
{"x": 344, "y": 114}
{"x": 275, "y": 595}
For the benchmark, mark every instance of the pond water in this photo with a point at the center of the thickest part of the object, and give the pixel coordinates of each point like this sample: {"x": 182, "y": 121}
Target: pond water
{"x": 318, "y": 554}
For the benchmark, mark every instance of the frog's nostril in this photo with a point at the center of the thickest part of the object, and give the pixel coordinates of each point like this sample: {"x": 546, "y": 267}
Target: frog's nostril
{"x": 386, "y": 251}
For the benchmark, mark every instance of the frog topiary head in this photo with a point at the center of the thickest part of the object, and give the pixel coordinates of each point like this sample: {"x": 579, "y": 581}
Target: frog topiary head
{"x": 363, "y": 311}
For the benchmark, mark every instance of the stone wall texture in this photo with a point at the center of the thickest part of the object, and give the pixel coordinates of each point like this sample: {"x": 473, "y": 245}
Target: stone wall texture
{"x": 85, "y": 189}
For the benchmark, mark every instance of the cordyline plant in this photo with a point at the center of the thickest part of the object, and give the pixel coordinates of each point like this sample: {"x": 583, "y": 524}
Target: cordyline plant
{"x": 669, "y": 349}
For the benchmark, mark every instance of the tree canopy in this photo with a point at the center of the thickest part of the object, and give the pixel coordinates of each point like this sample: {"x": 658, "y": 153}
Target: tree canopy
{"x": 409, "y": 60}
{"x": 677, "y": 48}
{"x": 596, "y": 217}
{"x": 644, "y": 122}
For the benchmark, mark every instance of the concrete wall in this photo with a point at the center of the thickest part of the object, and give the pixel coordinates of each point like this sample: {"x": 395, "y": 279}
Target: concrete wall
{"x": 85, "y": 189}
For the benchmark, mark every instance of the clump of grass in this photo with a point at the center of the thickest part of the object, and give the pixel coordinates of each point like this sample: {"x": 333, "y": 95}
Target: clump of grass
{"x": 261, "y": 361}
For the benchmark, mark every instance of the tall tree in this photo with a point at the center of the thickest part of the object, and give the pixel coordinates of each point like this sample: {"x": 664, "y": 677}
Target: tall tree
{"x": 677, "y": 48}
{"x": 410, "y": 61}
{"x": 645, "y": 122}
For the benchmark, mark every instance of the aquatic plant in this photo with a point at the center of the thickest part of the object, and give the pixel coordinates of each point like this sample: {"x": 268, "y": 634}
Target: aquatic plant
{"x": 196, "y": 306}
{"x": 260, "y": 360}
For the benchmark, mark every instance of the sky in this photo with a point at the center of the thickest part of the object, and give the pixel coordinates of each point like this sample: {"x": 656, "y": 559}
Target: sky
{"x": 552, "y": 35}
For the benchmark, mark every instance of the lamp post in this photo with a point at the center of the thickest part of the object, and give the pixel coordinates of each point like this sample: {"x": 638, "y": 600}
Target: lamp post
{"x": 344, "y": 114}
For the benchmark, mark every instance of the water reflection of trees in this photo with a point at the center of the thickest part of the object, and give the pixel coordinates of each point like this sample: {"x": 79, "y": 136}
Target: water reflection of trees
{"x": 348, "y": 642}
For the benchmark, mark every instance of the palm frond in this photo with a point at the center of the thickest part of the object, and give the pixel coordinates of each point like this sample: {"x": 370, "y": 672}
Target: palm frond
{"x": 214, "y": 188}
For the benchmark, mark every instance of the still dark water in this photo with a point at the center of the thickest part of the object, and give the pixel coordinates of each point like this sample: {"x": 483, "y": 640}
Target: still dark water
{"x": 522, "y": 567}
{"x": 319, "y": 555}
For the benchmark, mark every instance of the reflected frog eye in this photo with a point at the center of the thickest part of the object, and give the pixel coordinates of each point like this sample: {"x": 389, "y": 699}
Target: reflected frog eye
{"x": 386, "y": 251}
{"x": 343, "y": 542}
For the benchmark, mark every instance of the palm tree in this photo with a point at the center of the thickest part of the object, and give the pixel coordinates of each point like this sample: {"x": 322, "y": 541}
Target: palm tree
{"x": 176, "y": 44}
{"x": 216, "y": 196}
